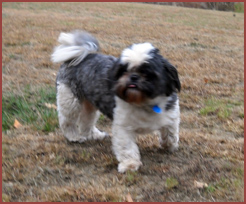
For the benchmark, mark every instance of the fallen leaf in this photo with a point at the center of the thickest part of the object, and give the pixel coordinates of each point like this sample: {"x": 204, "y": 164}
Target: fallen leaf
{"x": 17, "y": 124}
{"x": 48, "y": 105}
{"x": 129, "y": 198}
{"x": 198, "y": 184}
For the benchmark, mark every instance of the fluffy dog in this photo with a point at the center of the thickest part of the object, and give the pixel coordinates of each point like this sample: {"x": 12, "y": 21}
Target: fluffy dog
{"x": 138, "y": 91}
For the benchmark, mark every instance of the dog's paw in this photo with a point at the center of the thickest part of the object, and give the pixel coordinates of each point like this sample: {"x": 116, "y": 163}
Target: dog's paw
{"x": 129, "y": 164}
{"x": 171, "y": 147}
{"x": 98, "y": 135}
{"x": 77, "y": 139}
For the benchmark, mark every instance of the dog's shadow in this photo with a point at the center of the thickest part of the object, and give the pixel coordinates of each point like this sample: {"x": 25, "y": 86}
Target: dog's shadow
{"x": 99, "y": 154}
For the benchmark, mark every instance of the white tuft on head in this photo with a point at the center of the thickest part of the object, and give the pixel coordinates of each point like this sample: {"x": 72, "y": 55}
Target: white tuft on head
{"x": 137, "y": 54}
{"x": 74, "y": 46}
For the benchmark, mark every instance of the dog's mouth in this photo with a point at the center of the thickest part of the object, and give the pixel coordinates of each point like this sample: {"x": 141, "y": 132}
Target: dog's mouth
{"x": 130, "y": 92}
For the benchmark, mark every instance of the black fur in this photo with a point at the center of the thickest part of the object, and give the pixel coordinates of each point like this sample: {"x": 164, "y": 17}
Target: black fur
{"x": 95, "y": 77}
{"x": 171, "y": 103}
{"x": 172, "y": 82}
{"x": 89, "y": 80}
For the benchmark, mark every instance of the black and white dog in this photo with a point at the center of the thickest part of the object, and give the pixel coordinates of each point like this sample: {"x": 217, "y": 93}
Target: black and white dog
{"x": 138, "y": 91}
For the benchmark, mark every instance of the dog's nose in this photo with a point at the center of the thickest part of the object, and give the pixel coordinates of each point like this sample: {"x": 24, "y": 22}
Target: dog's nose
{"x": 134, "y": 77}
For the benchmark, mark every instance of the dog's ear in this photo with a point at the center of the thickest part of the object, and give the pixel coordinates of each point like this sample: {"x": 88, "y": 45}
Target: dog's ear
{"x": 173, "y": 83}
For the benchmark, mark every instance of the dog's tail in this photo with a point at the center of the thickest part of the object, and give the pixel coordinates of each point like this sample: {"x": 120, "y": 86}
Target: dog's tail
{"x": 75, "y": 46}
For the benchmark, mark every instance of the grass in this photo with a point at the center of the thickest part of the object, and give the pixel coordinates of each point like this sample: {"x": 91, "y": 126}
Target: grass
{"x": 40, "y": 165}
{"x": 222, "y": 186}
{"x": 171, "y": 183}
{"x": 29, "y": 109}
{"x": 239, "y": 7}
{"x": 220, "y": 108}
{"x": 131, "y": 178}
{"x": 210, "y": 189}
{"x": 216, "y": 107}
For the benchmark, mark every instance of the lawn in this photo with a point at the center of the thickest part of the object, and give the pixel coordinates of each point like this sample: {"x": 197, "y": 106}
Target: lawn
{"x": 206, "y": 46}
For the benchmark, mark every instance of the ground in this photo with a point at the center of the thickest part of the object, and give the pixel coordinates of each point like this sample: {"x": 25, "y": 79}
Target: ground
{"x": 207, "y": 47}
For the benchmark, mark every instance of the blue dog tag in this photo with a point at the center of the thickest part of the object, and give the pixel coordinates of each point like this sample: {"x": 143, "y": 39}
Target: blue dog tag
{"x": 156, "y": 109}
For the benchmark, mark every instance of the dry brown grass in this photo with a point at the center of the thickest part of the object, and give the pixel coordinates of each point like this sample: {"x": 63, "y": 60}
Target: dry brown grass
{"x": 208, "y": 49}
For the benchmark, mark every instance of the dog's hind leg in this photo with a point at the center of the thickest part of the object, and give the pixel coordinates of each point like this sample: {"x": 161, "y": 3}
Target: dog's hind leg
{"x": 68, "y": 107}
{"x": 77, "y": 119}
{"x": 87, "y": 120}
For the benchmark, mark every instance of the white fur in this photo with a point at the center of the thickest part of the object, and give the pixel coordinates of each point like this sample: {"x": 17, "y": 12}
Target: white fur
{"x": 136, "y": 55}
{"x": 76, "y": 121}
{"x": 127, "y": 124}
{"x": 66, "y": 38}
{"x": 78, "y": 125}
{"x": 77, "y": 118}
{"x": 71, "y": 49}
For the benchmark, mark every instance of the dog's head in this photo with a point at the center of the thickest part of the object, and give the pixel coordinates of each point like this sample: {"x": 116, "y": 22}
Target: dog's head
{"x": 141, "y": 73}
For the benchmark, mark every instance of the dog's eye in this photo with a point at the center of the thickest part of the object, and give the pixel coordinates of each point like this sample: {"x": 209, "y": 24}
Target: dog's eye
{"x": 145, "y": 72}
{"x": 148, "y": 74}
{"x": 121, "y": 70}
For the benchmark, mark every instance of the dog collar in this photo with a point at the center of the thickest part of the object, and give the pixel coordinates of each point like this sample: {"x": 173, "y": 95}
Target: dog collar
{"x": 156, "y": 109}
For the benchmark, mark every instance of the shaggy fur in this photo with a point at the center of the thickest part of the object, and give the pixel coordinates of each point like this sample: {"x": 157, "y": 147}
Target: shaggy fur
{"x": 138, "y": 91}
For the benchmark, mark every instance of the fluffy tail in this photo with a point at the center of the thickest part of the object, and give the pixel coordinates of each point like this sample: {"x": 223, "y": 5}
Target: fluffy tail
{"x": 75, "y": 47}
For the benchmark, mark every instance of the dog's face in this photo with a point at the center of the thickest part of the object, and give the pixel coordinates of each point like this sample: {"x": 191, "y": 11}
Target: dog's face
{"x": 142, "y": 73}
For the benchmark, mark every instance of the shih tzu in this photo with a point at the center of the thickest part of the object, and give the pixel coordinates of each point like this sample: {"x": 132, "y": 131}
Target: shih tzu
{"x": 138, "y": 91}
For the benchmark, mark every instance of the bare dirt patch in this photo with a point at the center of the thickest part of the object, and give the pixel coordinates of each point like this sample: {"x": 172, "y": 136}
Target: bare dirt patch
{"x": 208, "y": 49}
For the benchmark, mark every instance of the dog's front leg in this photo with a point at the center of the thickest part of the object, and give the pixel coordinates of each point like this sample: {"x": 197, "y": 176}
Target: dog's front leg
{"x": 169, "y": 138}
{"x": 125, "y": 149}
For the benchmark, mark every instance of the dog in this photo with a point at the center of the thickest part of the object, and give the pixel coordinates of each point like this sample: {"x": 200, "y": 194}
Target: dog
{"x": 138, "y": 91}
